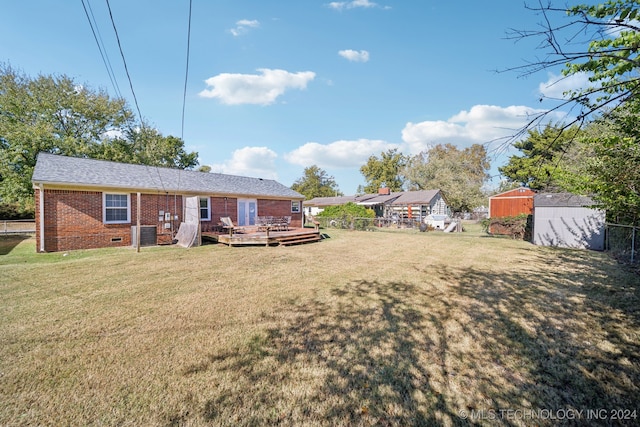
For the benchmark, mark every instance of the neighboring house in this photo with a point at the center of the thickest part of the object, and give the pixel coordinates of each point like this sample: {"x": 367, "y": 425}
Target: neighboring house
{"x": 567, "y": 220}
{"x": 86, "y": 203}
{"x": 404, "y": 204}
{"x": 518, "y": 201}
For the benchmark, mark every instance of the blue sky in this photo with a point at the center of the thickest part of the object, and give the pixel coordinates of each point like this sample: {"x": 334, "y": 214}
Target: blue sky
{"x": 276, "y": 86}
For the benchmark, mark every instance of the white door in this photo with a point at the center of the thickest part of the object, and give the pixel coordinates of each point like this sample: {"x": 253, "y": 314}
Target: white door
{"x": 247, "y": 211}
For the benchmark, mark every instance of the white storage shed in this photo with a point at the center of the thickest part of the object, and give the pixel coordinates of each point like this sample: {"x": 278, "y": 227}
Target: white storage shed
{"x": 567, "y": 220}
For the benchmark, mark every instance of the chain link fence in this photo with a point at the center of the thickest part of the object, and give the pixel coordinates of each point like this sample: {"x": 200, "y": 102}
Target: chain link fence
{"x": 622, "y": 241}
{"x": 18, "y": 226}
{"x": 366, "y": 224}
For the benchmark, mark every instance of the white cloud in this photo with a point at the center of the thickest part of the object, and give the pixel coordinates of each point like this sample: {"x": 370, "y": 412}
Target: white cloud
{"x": 262, "y": 89}
{"x": 556, "y": 86}
{"x": 481, "y": 124}
{"x": 250, "y": 161}
{"x": 243, "y": 26}
{"x": 341, "y": 5}
{"x": 338, "y": 154}
{"x": 355, "y": 55}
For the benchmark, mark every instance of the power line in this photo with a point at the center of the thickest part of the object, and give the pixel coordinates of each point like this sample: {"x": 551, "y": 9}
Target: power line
{"x": 103, "y": 52}
{"x": 186, "y": 74}
{"x": 125, "y": 64}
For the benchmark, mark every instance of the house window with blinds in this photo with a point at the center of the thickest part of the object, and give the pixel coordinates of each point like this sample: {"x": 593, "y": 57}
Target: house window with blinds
{"x": 116, "y": 208}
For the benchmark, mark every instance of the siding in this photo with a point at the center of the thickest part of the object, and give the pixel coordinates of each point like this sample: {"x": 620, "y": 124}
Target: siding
{"x": 569, "y": 227}
{"x": 512, "y": 203}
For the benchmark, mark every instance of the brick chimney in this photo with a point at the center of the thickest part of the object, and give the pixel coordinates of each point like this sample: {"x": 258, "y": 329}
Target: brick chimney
{"x": 384, "y": 191}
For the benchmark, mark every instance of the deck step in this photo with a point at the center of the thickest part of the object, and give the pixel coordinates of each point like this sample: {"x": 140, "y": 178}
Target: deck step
{"x": 293, "y": 240}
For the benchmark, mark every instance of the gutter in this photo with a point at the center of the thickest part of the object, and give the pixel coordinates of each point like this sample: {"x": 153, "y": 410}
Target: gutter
{"x": 41, "y": 201}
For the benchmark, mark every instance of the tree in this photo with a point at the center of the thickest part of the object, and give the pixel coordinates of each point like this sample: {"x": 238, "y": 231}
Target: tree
{"x": 349, "y": 215}
{"x": 543, "y": 155}
{"x": 316, "y": 183}
{"x": 56, "y": 115}
{"x": 384, "y": 171}
{"x": 460, "y": 174}
{"x": 608, "y": 56}
{"x": 610, "y": 170}
{"x": 146, "y": 146}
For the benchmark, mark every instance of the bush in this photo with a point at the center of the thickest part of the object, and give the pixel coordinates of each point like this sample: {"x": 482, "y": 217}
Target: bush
{"x": 16, "y": 211}
{"x": 350, "y": 215}
{"x": 518, "y": 227}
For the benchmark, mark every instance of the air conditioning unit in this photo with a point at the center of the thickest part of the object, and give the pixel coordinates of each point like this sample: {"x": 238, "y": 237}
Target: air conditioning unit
{"x": 148, "y": 235}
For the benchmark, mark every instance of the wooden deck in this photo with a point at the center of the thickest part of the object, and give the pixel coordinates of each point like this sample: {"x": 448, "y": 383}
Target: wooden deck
{"x": 263, "y": 238}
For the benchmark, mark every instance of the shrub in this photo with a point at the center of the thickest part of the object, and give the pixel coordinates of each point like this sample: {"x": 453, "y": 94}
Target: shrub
{"x": 349, "y": 215}
{"x": 16, "y": 211}
{"x": 518, "y": 227}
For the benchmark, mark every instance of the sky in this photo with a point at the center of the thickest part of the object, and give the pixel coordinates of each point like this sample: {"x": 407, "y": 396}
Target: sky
{"x": 275, "y": 86}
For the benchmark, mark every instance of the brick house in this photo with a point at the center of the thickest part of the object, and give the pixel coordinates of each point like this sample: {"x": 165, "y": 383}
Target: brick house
{"x": 86, "y": 203}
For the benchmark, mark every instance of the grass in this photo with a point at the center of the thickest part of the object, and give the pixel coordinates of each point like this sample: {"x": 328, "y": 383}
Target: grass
{"x": 364, "y": 328}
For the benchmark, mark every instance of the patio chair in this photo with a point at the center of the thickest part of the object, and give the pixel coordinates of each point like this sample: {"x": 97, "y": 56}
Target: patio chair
{"x": 227, "y": 224}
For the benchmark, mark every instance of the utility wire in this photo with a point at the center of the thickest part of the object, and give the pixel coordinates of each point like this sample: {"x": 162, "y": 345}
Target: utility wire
{"x": 103, "y": 53}
{"x": 125, "y": 64}
{"x": 106, "y": 55}
{"x": 186, "y": 74}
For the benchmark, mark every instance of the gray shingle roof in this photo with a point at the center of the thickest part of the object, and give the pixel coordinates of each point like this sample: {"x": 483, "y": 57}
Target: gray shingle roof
{"x": 561, "y": 199}
{"x": 62, "y": 170}
{"x": 399, "y": 198}
{"x": 421, "y": 197}
{"x": 330, "y": 201}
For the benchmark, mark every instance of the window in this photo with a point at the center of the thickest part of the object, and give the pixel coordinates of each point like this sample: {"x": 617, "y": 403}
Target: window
{"x": 116, "y": 208}
{"x": 205, "y": 210}
{"x": 295, "y": 206}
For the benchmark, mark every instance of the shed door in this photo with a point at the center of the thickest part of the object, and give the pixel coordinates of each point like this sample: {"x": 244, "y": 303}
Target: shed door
{"x": 247, "y": 211}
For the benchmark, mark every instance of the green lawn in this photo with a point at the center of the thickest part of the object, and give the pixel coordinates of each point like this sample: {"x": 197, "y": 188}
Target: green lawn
{"x": 388, "y": 327}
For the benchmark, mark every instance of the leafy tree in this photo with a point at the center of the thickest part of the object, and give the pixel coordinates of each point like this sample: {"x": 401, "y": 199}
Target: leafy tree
{"x": 146, "y": 146}
{"x": 349, "y": 215}
{"x": 384, "y": 171}
{"x": 316, "y": 183}
{"x": 460, "y": 174}
{"x": 52, "y": 114}
{"x": 56, "y": 115}
{"x": 608, "y": 54}
{"x": 543, "y": 153}
{"x": 610, "y": 170}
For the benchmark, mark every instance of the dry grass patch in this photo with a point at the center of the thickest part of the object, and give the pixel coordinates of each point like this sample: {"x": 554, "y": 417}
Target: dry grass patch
{"x": 382, "y": 328}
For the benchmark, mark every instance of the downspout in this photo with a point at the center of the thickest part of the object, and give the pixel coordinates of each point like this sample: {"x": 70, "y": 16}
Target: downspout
{"x": 41, "y": 201}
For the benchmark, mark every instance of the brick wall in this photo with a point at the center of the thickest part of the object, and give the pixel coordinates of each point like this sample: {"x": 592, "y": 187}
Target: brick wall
{"x": 73, "y": 220}
{"x": 279, "y": 208}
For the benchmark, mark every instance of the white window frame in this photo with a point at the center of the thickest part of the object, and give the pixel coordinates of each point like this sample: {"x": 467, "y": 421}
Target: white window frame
{"x": 200, "y": 207}
{"x": 104, "y": 208}
{"x": 296, "y": 206}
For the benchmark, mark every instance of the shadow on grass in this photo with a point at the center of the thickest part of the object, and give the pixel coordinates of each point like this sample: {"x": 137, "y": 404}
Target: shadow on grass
{"x": 454, "y": 347}
{"x": 10, "y": 241}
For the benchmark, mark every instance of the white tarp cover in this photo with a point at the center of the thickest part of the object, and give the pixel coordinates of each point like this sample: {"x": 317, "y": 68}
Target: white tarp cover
{"x": 189, "y": 232}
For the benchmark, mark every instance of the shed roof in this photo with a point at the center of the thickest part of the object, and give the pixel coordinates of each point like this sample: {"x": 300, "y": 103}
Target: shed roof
{"x": 74, "y": 171}
{"x": 516, "y": 192}
{"x": 561, "y": 200}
